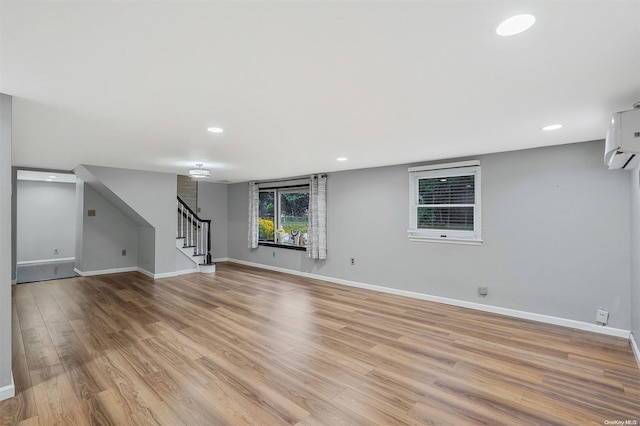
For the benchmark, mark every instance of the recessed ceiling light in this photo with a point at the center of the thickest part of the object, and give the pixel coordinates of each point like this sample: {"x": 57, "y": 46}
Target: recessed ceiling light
{"x": 552, "y": 127}
{"x": 52, "y": 176}
{"x": 215, "y": 129}
{"x": 515, "y": 25}
{"x": 341, "y": 158}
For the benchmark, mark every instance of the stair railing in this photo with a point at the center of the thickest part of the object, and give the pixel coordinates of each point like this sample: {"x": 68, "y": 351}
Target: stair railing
{"x": 195, "y": 231}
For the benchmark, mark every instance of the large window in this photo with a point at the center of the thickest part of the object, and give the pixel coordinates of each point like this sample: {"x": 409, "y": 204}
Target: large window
{"x": 283, "y": 216}
{"x": 445, "y": 202}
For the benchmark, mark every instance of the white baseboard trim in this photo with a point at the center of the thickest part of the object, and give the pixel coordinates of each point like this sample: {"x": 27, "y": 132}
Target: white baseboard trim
{"x": 156, "y": 276}
{"x": 145, "y": 272}
{"x": 634, "y": 348}
{"x": 127, "y": 269}
{"x": 105, "y": 271}
{"x": 8, "y": 391}
{"x": 134, "y": 269}
{"x": 164, "y": 275}
{"x": 14, "y": 282}
{"x": 186, "y": 271}
{"x": 55, "y": 260}
{"x": 221, "y": 259}
{"x": 580, "y": 325}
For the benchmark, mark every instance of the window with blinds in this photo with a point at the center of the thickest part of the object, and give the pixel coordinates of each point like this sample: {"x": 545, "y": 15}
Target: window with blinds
{"x": 445, "y": 202}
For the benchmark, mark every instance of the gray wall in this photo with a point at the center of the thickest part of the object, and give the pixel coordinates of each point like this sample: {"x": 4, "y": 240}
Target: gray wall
{"x": 79, "y": 226}
{"x": 5, "y": 241}
{"x": 212, "y": 201}
{"x": 45, "y": 220}
{"x": 555, "y": 224}
{"x": 105, "y": 235}
{"x": 635, "y": 255}
{"x": 147, "y": 248}
{"x": 14, "y": 226}
{"x": 152, "y": 196}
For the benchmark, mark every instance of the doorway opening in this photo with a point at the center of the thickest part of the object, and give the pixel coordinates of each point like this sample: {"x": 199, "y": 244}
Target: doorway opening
{"x": 45, "y": 225}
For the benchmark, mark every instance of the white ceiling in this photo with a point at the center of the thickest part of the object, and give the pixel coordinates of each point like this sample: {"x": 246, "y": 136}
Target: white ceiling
{"x": 297, "y": 84}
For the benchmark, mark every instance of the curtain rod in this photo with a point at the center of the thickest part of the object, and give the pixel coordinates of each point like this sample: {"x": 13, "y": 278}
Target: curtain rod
{"x": 288, "y": 179}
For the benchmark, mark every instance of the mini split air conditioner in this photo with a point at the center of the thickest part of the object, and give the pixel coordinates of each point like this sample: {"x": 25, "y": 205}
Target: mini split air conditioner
{"x": 622, "y": 146}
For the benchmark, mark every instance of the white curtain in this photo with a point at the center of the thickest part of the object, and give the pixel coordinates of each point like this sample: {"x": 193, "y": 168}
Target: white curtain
{"x": 253, "y": 215}
{"x": 317, "y": 233}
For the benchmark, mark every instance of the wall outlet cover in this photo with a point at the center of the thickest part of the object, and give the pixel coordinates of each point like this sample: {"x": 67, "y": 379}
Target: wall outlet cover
{"x": 602, "y": 316}
{"x": 483, "y": 290}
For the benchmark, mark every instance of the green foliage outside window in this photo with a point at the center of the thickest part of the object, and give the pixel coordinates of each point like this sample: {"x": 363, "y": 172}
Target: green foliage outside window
{"x": 294, "y": 223}
{"x": 285, "y": 209}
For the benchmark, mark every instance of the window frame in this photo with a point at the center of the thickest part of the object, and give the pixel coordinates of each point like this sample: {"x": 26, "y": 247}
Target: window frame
{"x": 465, "y": 168}
{"x": 276, "y": 213}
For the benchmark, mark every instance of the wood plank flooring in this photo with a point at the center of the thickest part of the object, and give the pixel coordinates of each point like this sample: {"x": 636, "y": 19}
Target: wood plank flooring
{"x": 246, "y": 346}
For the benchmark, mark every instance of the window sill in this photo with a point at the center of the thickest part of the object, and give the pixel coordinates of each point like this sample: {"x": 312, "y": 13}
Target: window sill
{"x": 449, "y": 238}
{"x": 446, "y": 241}
{"x": 284, "y": 246}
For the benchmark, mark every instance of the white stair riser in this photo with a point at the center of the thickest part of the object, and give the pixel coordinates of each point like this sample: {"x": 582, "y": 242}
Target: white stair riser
{"x": 197, "y": 259}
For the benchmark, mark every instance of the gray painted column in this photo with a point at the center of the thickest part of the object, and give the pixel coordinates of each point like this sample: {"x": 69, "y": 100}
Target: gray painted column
{"x": 6, "y": 378}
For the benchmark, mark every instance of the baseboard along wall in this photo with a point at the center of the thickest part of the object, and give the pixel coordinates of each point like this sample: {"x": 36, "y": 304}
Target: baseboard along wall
{"x": 564, "y": 322}
{"x": 55, "y": 260}
{"x": 8, "y": 391}
{"x": 133, "y": 269}
{"x": 635, "y": 349}
{"x": 547, "y": 319}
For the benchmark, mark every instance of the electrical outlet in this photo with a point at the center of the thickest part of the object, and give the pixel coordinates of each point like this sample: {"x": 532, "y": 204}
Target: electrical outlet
{"x": 124, "y": 252}
{"x": 55, "y": 251}
{"x": 602, "y": 316}
{"x": 91, "y": 213}
{"x": 483, "y": 290}
{"x": 353, "y": 261}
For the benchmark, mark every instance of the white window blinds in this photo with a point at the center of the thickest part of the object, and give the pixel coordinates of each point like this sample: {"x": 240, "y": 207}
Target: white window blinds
{"x": 445, "y": 202}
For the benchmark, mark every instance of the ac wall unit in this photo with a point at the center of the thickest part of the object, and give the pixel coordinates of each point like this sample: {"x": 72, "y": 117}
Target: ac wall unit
{"x": 622, "y": 146}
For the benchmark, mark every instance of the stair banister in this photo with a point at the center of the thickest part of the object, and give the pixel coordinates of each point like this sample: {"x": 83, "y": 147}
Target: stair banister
{"x": 198, "y": 231}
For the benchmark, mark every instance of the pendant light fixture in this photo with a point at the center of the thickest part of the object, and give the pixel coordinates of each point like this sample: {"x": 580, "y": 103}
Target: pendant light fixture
{"x": 199, "y": 172}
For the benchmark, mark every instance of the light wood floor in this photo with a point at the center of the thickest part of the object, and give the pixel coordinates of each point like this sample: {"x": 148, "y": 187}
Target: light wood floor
{"x": 248, "y": 346}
